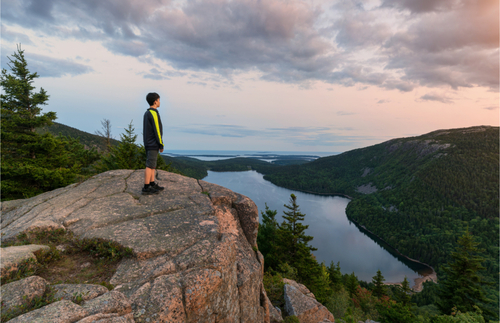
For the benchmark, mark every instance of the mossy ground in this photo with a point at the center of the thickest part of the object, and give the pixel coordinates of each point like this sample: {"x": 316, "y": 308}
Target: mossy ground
{"x": 70, "y": 260}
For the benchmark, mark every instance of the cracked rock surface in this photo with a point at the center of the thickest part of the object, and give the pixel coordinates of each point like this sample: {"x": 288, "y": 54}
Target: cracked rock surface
{"x": 193, "y": 245}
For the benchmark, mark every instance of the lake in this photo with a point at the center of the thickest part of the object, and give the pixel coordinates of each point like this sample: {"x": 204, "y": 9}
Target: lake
{"x": 336, "y": 238}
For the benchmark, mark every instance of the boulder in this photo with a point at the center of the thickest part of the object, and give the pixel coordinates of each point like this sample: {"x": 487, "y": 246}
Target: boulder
{"x": 16, "y": 256}
{"x": 21, "y": 292}
{"x": 84, "y": 292}
{"x": 302, "y": 288}
{"x": 298, "y": 302}
{"x": 111, "y": 302}
{"x": 59, "y": 312}
{"x": 44, "y": 225}
{"x": 195, "y": 258}
{"x": 274, "y": 313}
{"x": 108, "y": 318}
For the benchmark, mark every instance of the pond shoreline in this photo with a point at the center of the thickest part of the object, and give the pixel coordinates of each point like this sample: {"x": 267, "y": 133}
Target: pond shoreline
{"x": 418, "y": 281}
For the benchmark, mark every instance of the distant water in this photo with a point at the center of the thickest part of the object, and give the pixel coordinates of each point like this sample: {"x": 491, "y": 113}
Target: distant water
{"x": 336, "y": 238}
{"x": 209, "y": 155}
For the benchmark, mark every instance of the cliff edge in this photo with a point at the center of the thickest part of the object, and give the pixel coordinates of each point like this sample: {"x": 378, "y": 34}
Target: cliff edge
{"x": 194, "y": 245}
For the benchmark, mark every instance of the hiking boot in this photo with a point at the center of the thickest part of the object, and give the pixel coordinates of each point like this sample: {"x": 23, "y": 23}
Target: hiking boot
{"x": 158, "y": 187}
{"x": 150, "y": 190}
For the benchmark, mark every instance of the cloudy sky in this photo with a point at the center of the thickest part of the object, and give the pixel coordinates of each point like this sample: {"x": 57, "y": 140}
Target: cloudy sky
{"x": 288, "y": 75}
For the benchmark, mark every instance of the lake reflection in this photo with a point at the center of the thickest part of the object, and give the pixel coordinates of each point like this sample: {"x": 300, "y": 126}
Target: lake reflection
{"x": 335, "y": 237}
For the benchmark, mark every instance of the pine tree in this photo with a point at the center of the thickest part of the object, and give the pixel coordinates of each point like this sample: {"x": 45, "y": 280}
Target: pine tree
{"x": 351, "y": 284}
{"x": 293, "y": 248}
{"x": 21, "y": 111}
{"x": 335, "y": 276}
{"x": 380, "y": 289}
{"x": 33, "y": 163}
{"x": 293, "y": 231}
{"x": 462, "y": 286}
{"x": 127, "y": 154}
{"x": 267, "y": 238}
{"x": 406, "y": 292}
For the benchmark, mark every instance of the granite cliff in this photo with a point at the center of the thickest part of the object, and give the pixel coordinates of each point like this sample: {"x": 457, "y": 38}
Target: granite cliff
{"x": 194, "y": 244}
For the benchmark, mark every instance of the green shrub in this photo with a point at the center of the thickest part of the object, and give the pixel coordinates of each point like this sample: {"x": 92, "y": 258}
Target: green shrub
{"x": 291, "y": 319}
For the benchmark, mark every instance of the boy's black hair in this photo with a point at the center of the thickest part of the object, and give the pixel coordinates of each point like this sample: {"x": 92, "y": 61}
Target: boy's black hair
{"x": 152, "y": 97}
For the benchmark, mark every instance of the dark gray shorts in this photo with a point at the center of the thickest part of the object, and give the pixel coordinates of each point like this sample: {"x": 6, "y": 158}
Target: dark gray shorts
{"x": 151, "y": 157}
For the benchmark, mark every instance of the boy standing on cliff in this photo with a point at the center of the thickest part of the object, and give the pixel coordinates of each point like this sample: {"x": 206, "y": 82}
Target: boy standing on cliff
{"x": 152, "y": 134}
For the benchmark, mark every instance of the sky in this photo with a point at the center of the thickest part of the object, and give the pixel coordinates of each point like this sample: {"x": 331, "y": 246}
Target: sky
{"x": 263, "y": 75}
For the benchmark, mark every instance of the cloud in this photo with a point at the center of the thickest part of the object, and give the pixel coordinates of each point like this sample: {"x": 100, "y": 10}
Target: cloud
{"x": 436, "y": 97}
{"x": 14, "y": 37}
{"x": 492, "y": 108}
{"x": 222, "y": 130}
{"x": 53, "y": 67}
{"x": 345, "y": 113}
{"x": 47, "y": 66}
{"x": 434, "y": 51}
{"x": 197, "y": 83}
{"x": 299, "y": 136}
{"x": 421, "y": 6}
{"x": 156, "y": 77}
{"x": 156, "y": 74}
{"x": 358, "y": 28}
{"x": 399, "y": 45}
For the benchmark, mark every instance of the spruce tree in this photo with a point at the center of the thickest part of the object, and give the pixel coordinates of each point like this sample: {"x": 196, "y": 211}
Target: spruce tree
{"x": 33, "y": 163}
{"x": 335, "y": 276}
{"x": 293, "y": 244}
{"x": 379, "y": 289}
{"x": 293, "y": 231}
{"x": 405, "y": 292}
{"x": 351, "y": 284}
{"x": 128, "y": 155}
{"x": 462, "y": 286}
{"x": 293, "y": 248}
{"x": 267, "y": 238}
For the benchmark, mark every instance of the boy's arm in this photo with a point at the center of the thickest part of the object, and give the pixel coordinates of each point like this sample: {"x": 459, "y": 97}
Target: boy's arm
{"x": 156, "y": 129}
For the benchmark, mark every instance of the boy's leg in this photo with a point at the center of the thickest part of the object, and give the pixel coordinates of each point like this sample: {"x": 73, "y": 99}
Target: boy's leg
{"x": 152, "y": 176}
{"x": 149, "y": 175}
{"x": 152, "y": 179}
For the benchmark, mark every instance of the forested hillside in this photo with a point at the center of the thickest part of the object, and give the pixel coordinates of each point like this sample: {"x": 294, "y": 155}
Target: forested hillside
{"x": 87, "y": 139}
{"x": 419, "y": 194}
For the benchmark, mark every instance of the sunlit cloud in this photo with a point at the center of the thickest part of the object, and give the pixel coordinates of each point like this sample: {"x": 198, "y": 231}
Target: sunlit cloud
{"x": 436, "y": 97}
{"x": 286, "y": 41}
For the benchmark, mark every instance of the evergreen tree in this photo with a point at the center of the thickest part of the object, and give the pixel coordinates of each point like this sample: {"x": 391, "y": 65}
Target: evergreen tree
{"x": 294, "y": 239}
{"x": 462, "y": 286}
{"x": 33, "y": 163}
{"x": 405, "y": 292}
{"x": 395, "y": 313}
{"x": 351, "y": 284}
{"x": 127, "y": 154}
{"x": 335, "y": 276}
{"x": 267, "y": 238}
{"x": 293, "y": 249}
{"x": 379, "y": 289}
